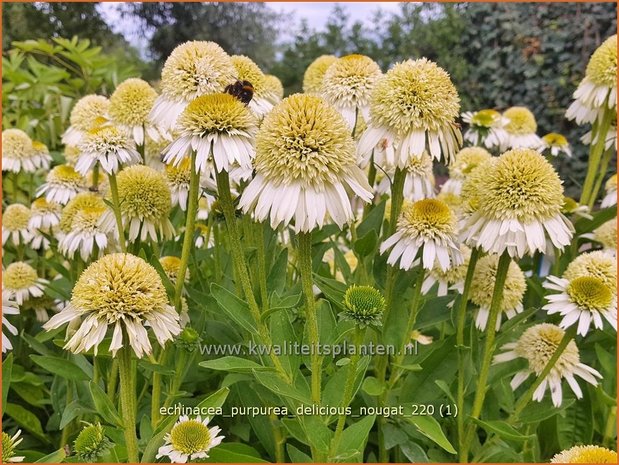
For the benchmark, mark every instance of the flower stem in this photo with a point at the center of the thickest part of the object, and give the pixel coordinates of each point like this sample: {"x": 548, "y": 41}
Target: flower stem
{"x": 262, "y": 267}
{"x": 598, "y": 183}
{"x": 598, "y": 141}
{"x": 95, "y": 177}
{"x": 127, "y": 402}
{"x": 117, "y": 215}
{"x": 460, "y": 323}
{"x": 305, "y": 269}
{"x": 190, "y": 226}
{"x": 495, "y": 310}
{"x": 112, "y": 380}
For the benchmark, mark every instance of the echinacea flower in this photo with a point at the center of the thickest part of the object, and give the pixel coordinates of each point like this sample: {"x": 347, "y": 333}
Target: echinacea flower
{"x": 305, "y": 160}
{"x": 572, "y": 207}
{"x": 482, "y": 288}
{"x": 610, "y": 139}
{"x": 145, "y": 204}
{"x": 426, "y": 229}
{"x": 40, "y": 306}
{"x": 109, "y": 146}
{"x": 261, "y": 101}
{"x": 91, "y": 443}
{"x": 171, "y": 266}
{"x": 610, "y": 198}
{"x": 124, "y": 292}
{"x": 41, "y": 154}
{"x": 218, "y": 127}
{"x": 537, "y": 345}
{"x": 348, "y": 84}
{"x": 606, "y": 234}
{"x": 71, "y": 154}
{"x": 465, "y": 162}
{"x": 190, "y": 439}
{"x": 9, "y": 307}
{"x": 274, "y": 90}
{"x": 585, "y": 454}
{"x": 85, "y": 234}
{"x": 597, "y": 92}
{"x": 17, "y": 152}
{"x": 62, "y": 184}
{"x": 179, "y": 177}
{"x": 130, "y": 105}
{"x": 418, "y": 180}
{"x": 556, "y": 144}
{"x": 517, "y": 200}
{"x": 82, "y": 201}
{"x": 414, "y": 108}
{"x": 16, "y": 224}
{"x": 364, "y": 305}
{"x": 9, "y": 443}
{"x": 44, "y": 215}
{"x": 486, "y": 127}
{"x": 193, "y": 69}
{"x": 597, "y": 264}
{"x": 315, "y": 72}
{"x": 88, "y": 113}
{"x": 452, "y": 278}
{"x": 22, "y": 281}
{"x": 521, "y": 129}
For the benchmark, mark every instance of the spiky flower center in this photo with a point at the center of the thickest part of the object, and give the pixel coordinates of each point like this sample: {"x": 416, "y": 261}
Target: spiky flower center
{"x": 117, "y": 286}
{"x": 482, "y": 286}
{"x": 131, "y": 102}
{"x": 71, "y": 154}
{"x": 590, "y": 293}
{"x": 87, "y": 219}
{"x": 19, "y": 275}
{"x": 8, "y": 449}
{"x": 315, "y": 72}
{"x": 364, "y": 301}
{"x": 196, "y": 68}
{"x": 249, "y": 71}
{"x": 486, "y": 118}
{"x": 190, "y": 437}
{"x": 428, "y": 218}
{"x": 350, "y": 80}
{"x": 105, "y": 140}
{"x": 41, "y": 206}
{"x": 88, "y": 111}
{"x": 16, "y": 144}
{"x": 216, "y": 113}
{"x": 586, "y": 454}
{"x": 607, "y": 234}
{"x": 521, "y": 185}
{"x": 467, "y": 160}
{"x": 40, "y": 148}
{"x": 602, "y": 67}
{"x": 420, "y": 166}
{"x": 181, "y": 174}
{"x": 303, "y": 139}
{"x": 415, "y": 94}
{"x": 171, "y": 266}
{"x": 65, "y": 174}
{"x": 91, "y": 442}
{"x": 16, "y": 217}
{"x": 538, "y": 343}
{"x": 144, "y": 193}
{"x": 521, "y": 121}
{"x": 554, "y": 139}
{"x": 597, "y": 264}
{"x": 82, "y": 201}
{"x": 273, "y": 86}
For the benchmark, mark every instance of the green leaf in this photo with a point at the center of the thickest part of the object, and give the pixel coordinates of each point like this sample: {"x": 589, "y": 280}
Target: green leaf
{"x": 274, "y": 383}
{"x": 296, "y": 456}
{"x": 502, "y": 429}
{"x": 373, "y": 221}
{"x": 7, "y": 367}
{"x": 539, "y": 411}
{"x": 61, "y": 367}
{"x": 231, "y": 453}
{"x": 233, "y": 364}
{"x": 54, "y": 457}
{"x": 27, "y": 420}
{"x": 72, "y": 411}
{"x": 104, "y": 405}
{"x": 367, "y": 244}
{"x": 234, "y": 307}
{"x": 372, "y": 386}
{"x": 354, "y": 438}
{"x": 430, "y": 428}
{"x": 155, "y": 367}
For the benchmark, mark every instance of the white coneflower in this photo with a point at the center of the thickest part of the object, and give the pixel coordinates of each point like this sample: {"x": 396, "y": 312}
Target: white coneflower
{"x": 518, "y": 199}
{"x": 414, "y": 107}
{"x": 22, "y": 281}
{"x": 16, "y": 224}
{"x": 486, "y": 127}
{"x": 426, "y": 228}
{"x": 179, "y": 177}
{"x": 45, "y": 215}
{"x": 315, "y": 72}
{"x": 88, "y": 113}
{"x": 62, "y": 184}
{"x": 145, "y": 204}
{"x": 9, "y": 443}
{"x": 85, "y": 234}
{"x": 304, "y": 162}
{"x": 83, "y": 200}
{"x": 41, "y": 154}
{"x": 17, "y": 152}
{"x": 585, "y": 454}
{"x": 452, "y": 278}
{"x": 71, "y": 154}
{"x": 598, "y": 89}
{"x": 110, "y": 146}
{"x": 537, "y": 345}
{"x": 203, "y": 237}
{"x": 610, "y": 137}
{"x": 261, "y": 101}
{"x": 9, "y": 307}
{"x": 41, "y": 306}
{"x": 171, "y": 266}
{"x": 606, "y": 234}
{"x": 217, "y": 126}
{"x": 556, "y": 144}
{"x": 193, "y": 69}
{"x": 130, "y": 105}
{"x": 273, "y": 88}
{"x": 521, "y": 129}
{"x": 597, "y": 264}
{"x": 190, "y": 439}
{"x": 348, "y": 84}
{"x": 418, "y": 181}
{"x": 610, "y": 198}
{"x": 572, "y": 207}
{"x": 466, "y": 161}
{"x": 120, "y": 291}
{"x": 482, "y": 288}
{"x": 205, "y": 204}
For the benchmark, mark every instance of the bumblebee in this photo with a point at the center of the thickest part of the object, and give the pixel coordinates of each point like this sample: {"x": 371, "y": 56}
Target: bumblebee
{"x": 242, "y": 90}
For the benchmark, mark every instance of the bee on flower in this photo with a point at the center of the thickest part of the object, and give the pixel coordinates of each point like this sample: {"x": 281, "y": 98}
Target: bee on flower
{"x": 315, "y": 72}
{"x": 248, "y": 71}
{"x": 88, "y": 113}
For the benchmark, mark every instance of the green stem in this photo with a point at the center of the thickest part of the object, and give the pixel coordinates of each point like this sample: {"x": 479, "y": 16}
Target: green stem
{"x": 461, "y": 322}
{"x": 305, "y": 270}
{"x": 127, "y": 402}
{"x": 112, "y": 380}
{"x": 155, "y": 403}
{"x": 262, "y": 266}
{"x": 279, "y": 440}
{"x": 95, "y": 177}
{"x": 598, "y": 183}
{"x": 598, "y": 134}
{"x": 117, "y": 214}
{"x": 190, "y": 226}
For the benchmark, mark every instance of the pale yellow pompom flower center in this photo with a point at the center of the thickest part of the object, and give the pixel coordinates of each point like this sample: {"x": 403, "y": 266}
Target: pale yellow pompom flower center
{"x": 428, "y": 217}
{"x": 485, "y": 118}
{"x": 71, "y": 154}
{"x": 554, "y": 139}
{"x": 16, "y": 144}
{"x": 586, "y": 454}
{"x": 16, "y": 217}
{"x": 131, "y": 102}
{"x": 249, "y": 71}
{"x": 420, "y": 166}
{"x": 590, "y": 293}
{"x": 190, "y": 436}
{"x": 19, "y": 275}
{"x": 82, "y": 201}
{"x": 538, "y": 343}
{"x": 273, "y": 85}
{"x": 602, "y": 67}
{"x": 216, "y": 113}
{"x": 597, "y": 264}
{"x": 521, "y": 121}
{"x": 607, "y": 234}
{"x": 41, "y": 205}
{"x": 88, "y": 111}
{"x": 351, "y": 80}
{"x": 87, "y": 219}
{"x": 467, "y": 160}
{"x": 143, "y": 193}
{"x": 315, "y": 72}
{"x": 171, "y": 266}
{"x": 65, "y": 174}
{"x": 454, "y": 274}
{"x": 105, "y": 139}
{"x": 180, "y": 174}
{"x": 482, "y": 286}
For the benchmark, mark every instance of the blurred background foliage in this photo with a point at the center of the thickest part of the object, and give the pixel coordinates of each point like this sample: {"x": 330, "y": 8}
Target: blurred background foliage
{"x": 499, "y": 55}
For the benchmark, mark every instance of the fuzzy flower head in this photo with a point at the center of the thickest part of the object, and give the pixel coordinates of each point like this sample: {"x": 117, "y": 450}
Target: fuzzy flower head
{"x": 465, "y": 162}
{"x": 15, "y": 224}
{"x": 518, "y": 202}
{"x": 111, "y": 146}
{"x": 193, "y": 69}
{"x": 610, "y": 198}
{"x": 120, "y": 291}
{"x": 348, "y": 84}
{"x": 556, "y": 144}
{"x": 364, "y": 305}
{"x": 486, "y": 127}
{"x": 273, "y": 88}
{"x": 41, "y": 154}
{"x": 537, "y": 345}
{"x": 130, "y": 105}
{"x": 418, "y": 181}
{"x": 606, "y": 234}
{"x": 304, "y": 162}
{"x": 9, "y": 443}
{"x": 91, "y": 443}
{"x": 85, "y": 233}
{"x": 82, "y": 201}
{"x": 22, "y": 281}
{"x": 597, "y": 264}
{"x": 315, "y": 72}
{"x": 62, "y": 184}
{"x": 18, "y": 154}
{"x": 247, "y": 70}
{"x": 190, "y": 439}
{"x": 171, "y": 266}
{"x": 482, "y": 288}
{"x": 426, "y": 228}
{"x": 179, "y": 177}
{"x": 88, "y": 113}
{"x": 452, "y": 278}
{"x": 521, "y": 129}
{"x": 586, "y": 454}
